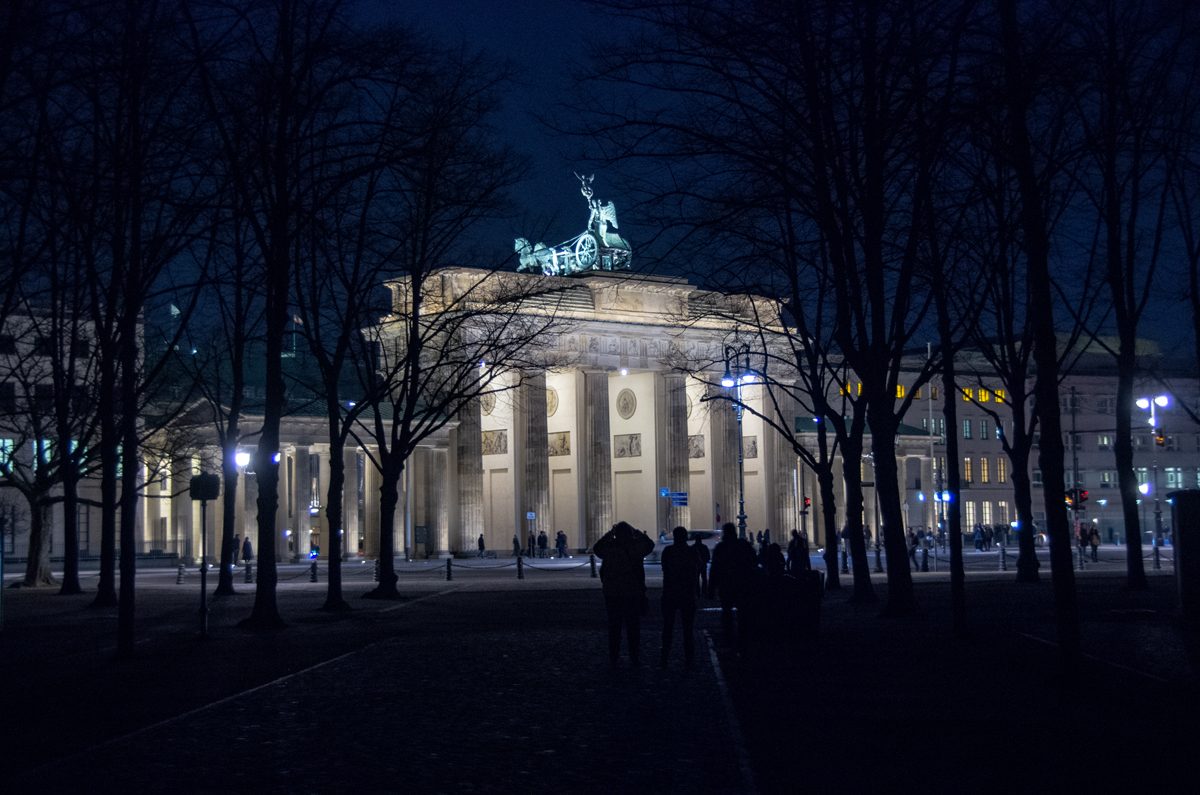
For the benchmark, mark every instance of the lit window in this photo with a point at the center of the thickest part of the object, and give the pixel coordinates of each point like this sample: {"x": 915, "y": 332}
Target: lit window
{"x": 966, "y": 426}
{"x": 1174, "y": 477}
{"x": 7, "y": 448}
{"x": 983, "y": 471}
{"x": 1104, "y": 441}
{"x": 967, "y": 393}
{"x": 983, "y": 429}
{"x": 998, "y": 395}
{"x": 899, "y": 391}
{"x": 966, "y": 473}
{"x": 917, "y": 393}
{"x": 933, "y": 392}
{"x": 1001, "y": 470}
{"x": 984, "y": 395}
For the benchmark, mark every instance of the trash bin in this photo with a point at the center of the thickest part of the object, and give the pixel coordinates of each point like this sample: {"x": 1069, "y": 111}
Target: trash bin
{"x": 1185, "y": 520}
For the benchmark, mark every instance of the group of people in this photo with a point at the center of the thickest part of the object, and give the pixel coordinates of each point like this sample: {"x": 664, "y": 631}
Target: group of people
{"x": 1089, "y": 536}
{"x": 242, "y": 547}
{"x": 767, "y": 592}
{"x": 538, "y": 545}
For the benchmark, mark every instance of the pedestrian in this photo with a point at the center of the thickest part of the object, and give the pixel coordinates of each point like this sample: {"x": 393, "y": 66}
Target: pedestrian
{"x": 977, "y": 535}
{"x": 1094, "y": 541}
{"x": 623, "y": 581}
{"x": 516, "y": 546}
{"x": 543, "y": 544}
{"x": 702, "y": 555}
{"x": 247, "y": 550}
{"x": 560, "y": 543}
{"x": 482, "y": 546}
{"x": 532, "y": 544}
{"x": 733, "y": 565}
{"x": 237, "y": 548}
{"x": 912, "y": 550}
{"x": 680, "y": 576}
{"x": 987, "y": 538}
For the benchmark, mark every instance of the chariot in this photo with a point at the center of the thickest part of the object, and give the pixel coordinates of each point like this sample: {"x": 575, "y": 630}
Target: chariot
{"x": 598, "y": 248}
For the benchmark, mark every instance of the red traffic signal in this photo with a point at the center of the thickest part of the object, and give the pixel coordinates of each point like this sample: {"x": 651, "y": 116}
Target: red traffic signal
{"x": 1082, "y": 496}
{"x": 808, "y": 502}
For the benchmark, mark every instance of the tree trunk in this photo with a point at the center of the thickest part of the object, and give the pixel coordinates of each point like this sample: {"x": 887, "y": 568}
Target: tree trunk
{"x": 334, "y": 513}
{"x": 1027, "y": 562}
{"x": 106, "y": 590}
{"x": 70, "y": 580}
{"x": 1135, "y": 569}
{"x": 130, "y": 468}
{"x": 229, "y": 498}
{"x": 953, "y": 508}
{"x": 825, "y": 481}
{"x": 901, "y": 600}
{"x": 37, "y": 564}
{"x": 864, "y": 591}
{"x": 389, "y": 498}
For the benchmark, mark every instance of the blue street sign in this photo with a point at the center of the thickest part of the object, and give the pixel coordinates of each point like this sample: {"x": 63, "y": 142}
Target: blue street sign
{"x": 679, "y": 501}
{"x": 664, "y": 492}
{"x": 531, "y": 515}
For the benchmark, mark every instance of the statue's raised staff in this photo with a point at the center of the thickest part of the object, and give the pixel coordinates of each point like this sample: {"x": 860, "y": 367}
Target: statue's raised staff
{"x": 598, "y": 248}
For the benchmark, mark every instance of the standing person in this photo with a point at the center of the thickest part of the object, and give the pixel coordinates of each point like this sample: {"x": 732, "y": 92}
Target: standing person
{"x": 680, "y": 574}
{"x": 703, "y": 556}
{"x": 560, "y": 543}
{"x": 516, "y": 546}
{"x": 733, "y": 563}
{"x": 532, "y": 543}
{"x": 482, "y": 546}
{"x": 543, "y": 544}
{"x": 247, "y": 550}
{"x": 1094, "y": 541}
{"x": 912, "y": 550}
{"x": 237, "y": 548}
{"x": 623, "y": 580}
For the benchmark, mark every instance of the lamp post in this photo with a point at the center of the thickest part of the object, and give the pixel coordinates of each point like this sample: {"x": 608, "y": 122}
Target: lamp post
{"x": 737, "y": 373}
{"x": 1151, "y": 404}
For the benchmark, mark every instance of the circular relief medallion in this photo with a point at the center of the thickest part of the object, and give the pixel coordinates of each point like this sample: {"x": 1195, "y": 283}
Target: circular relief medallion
{"x": 626, "y": 403}
{"x": 487, "y": 403}
{"x": 551, "y": 401}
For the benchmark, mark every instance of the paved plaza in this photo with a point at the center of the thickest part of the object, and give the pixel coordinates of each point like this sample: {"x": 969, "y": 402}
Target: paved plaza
{"x": 487, "y": 683}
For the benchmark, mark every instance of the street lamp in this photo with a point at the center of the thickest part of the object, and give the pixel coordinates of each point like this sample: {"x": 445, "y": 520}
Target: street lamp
{"x": 1151, "y": 404}
{"x": 738, "y": 373}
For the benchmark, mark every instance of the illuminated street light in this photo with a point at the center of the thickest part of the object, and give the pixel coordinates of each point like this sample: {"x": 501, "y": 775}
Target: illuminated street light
{"x": 737, "y": 374}
{"x": 1151, "y": 404}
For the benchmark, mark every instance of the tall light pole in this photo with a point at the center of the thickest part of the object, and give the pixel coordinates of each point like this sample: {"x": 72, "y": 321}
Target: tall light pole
{"x": 737, "y": 373}
{"x": 1151, "y": 404}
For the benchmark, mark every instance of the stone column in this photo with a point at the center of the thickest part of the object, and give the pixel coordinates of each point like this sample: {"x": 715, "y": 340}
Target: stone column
{"x": 298, "y": 519}
{"x": 371, "y": 507}
{"x": 597, "y": 457}
{"x": 436, "y": 509}
{"x": 350, "y": 503}
{"x": 535, "y": 467}
{"x": 786, "y": 486}
{"x": 724, "y": 433}
{"x": 470, "y": 475}
{"x": 675, "y": 430}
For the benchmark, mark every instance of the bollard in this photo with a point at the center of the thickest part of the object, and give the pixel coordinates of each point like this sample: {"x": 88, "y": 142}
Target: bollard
{"x": 179, "y": 575}
{"x": 449, "y": 569}
{"x": 249, "y": 572}
{"x": 592, "y": 559}
{"x": 1003, "y": 559}
{"x": 845, "y": 565}
{"x": 878, "y": 560}
{"x": 377, "y": 570}
{"x": 924, "y": 558}
{"x": 1081, "y": 558}
{"x": 520, "y": 568}
{"x": 312, "y": 572}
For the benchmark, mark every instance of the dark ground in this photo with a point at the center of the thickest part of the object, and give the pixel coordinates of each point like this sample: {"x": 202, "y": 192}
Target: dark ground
{"x": 489, "y": 684}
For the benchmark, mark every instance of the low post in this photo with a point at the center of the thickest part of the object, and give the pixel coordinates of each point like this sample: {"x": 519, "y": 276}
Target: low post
{"x": 1003, "y": 558}
{"x": 1081, "y": 558}
{"x": 179, "y": 575}
{"x": 312, "y": 572}
{"x": 376, "y": 569}
{"x": 924, "y": 557}
{"x": 592, "y": 560}
{"x": 520, "y": 568}
{"x": 249, "y": 573}
{"x": 204, "y": 487}
{"x": 878, "y": 560}
{"x": 845, "y": 564}
{"x": 449, "y": 569}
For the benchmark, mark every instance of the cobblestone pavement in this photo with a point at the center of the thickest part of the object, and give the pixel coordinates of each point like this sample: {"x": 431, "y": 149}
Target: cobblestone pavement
{"x": 490, "y": 684}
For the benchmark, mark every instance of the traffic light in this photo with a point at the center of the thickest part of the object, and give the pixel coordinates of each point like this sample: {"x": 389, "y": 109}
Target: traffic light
{"x": 1082, "y": 497}
{"x": 808, "y": 502}
{"x": 1160, "y": 437}
{"x": 1071, "y": 498}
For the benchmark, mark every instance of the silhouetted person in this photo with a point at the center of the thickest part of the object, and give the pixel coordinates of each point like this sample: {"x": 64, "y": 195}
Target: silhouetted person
{"x": 623, "y": 579}
{"x": 532, "y": 543}
{"x": 516, "y": 546}
{"x": 912, "y": 550}
{"x": 703, "y": 555}
{"x": 680, "y": 576}
{"x": 560, "y": 543}
{"x": 247, "y": 550}
{"x": 543, "y": 544}
{"x": 237, "y": 549}
{"x": 733, "y": 563}
{"x": 482, "y": 546}
{"x": 772, "y": 607}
